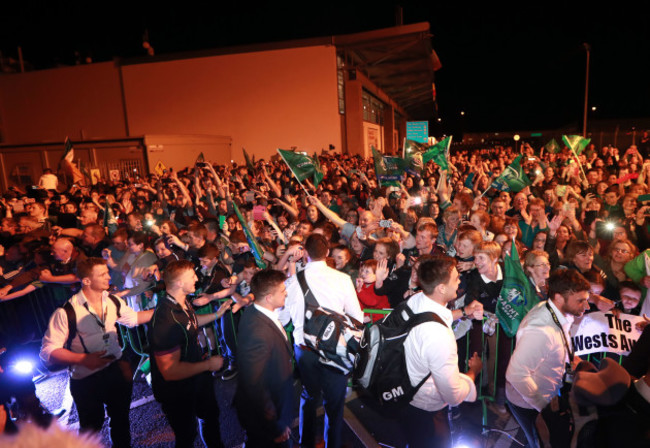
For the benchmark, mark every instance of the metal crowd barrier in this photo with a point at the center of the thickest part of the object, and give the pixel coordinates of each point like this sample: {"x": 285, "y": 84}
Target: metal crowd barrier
{"x": 26, "y": 318}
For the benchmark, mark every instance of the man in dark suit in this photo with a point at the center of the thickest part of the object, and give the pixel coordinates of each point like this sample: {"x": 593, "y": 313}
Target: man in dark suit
{"x": 264, "y": 398}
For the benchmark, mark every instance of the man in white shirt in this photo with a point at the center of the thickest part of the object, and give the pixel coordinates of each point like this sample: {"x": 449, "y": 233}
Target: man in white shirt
{"x": 543, "y": 351}
{"x": 98, "y": 376}
{"x": 333, "y": 290}
{"x": 430, "y": 349}
{"x": 48, "y": 181}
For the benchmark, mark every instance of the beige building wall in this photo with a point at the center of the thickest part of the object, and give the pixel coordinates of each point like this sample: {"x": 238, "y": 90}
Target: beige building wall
{"x": 261, "y": 100}
{"x": 80, "y": 102}
{"x": 258, "y": 100}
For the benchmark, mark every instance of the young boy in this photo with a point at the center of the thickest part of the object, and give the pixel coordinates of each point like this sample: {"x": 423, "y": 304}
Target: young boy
{"x": 630, "y": 294}
{"x": 366, "y": 294}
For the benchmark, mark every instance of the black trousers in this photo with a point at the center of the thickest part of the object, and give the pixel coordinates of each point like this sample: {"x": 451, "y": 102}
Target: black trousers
{"x": 425, "y": 429}
{"x": 182, "y": 408}
{"x": 111, "y": 386}
{"x": 229, "y": 324}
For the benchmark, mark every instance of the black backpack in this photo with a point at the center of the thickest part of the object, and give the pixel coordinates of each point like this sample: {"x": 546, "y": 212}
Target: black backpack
{"x": 333, "y": 336}
{"x": 380, "y": 374}
{"x": 72, "y": 330}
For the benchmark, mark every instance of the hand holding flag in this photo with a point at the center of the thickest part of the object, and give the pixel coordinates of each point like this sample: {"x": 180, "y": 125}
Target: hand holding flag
{"x": 517, "y": 294}
{"x": 302, "y": 166}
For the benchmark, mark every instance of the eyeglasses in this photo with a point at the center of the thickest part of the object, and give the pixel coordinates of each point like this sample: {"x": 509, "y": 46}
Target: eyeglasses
{"x": 621, "y": 251}
{"x": 546, "y": 265}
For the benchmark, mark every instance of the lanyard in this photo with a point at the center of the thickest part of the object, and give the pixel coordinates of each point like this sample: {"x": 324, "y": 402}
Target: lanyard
{"x": 570, "y": 353}
{"x": 450, "y": 241}
{"x": 102, "y": 322}
{"x": 190, "y": 315}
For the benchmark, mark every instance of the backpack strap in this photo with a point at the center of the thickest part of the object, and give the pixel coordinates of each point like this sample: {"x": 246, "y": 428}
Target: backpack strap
{"x": 72, "y": 327}
{"x": 413, "y": 321}
{"x": 117, "y": 303}
{"x": 309, "y": 296}
{"x": 72, "y": 323}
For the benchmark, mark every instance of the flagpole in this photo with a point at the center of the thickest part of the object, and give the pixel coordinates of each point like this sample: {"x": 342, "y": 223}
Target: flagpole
{"x": 575, "y": 157}
{"x": 486, "y": 190}
{"x": 294, "y": 174}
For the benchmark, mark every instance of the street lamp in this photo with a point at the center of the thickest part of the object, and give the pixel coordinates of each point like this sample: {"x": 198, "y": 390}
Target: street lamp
{"x": 587, "y": 48}
{"x": 516, "y": 139}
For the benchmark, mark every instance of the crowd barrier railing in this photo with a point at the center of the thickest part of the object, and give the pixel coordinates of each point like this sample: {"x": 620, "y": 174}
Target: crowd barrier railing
{"x": 26, "y": 318}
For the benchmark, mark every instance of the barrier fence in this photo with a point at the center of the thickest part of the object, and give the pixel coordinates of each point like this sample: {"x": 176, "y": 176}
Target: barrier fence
{"x": 26, "y": 319}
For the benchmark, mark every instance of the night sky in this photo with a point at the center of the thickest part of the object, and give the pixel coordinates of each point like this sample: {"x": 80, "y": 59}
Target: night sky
{"x": 506, "y": 69}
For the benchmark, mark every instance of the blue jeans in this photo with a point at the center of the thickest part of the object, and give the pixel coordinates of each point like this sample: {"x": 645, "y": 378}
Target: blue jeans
{"x": 320, "y": 383}
{"x": 526, "y": 419}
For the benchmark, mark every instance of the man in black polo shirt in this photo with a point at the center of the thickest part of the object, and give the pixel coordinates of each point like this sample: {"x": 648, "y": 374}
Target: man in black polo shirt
{"x": 181, "y": 379}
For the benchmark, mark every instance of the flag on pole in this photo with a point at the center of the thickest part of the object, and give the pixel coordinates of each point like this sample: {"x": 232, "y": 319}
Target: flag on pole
{"x": 412, "y": 147}
{"x": 552, "y": 147}
{"x": 438, "y": 153}
{"x": 513, "y": 178}
{"x": 68, "y": 151}
{"x": 249, "y": 164}
{"x": 577, "y": 143}
{"x": 302, "y": 166}
{"x": 389, "y": 170}
{"x": 255, "y": 248}
{"x": 199, "y": 159}
{"x": 69, "y": 169}
{"x": 517, "y": 294}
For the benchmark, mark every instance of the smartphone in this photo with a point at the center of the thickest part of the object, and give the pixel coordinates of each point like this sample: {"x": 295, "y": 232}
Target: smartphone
{"x": 604, "y": 230}
{"x": 590, "y": 217}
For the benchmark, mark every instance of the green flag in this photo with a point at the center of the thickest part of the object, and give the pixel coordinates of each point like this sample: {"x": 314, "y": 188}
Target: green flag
{"x": 302, "y": 166}
{"x": 412, "y": 147}
{"x": 255, "y": 248}
{"x": 513, "y": 177}
{"x": 438, "y": 153}
{"x": 249, "y": 163}
{"x": 552, "y": 147}
{"x": 389, "y": 170}
{"x": 517, "y": 294}
{"x": 318, "y": 174}
{"x": 577, "y": 143}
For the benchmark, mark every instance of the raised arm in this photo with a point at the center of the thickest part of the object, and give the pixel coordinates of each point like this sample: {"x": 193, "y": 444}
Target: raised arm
{"x": 329, "y": 214}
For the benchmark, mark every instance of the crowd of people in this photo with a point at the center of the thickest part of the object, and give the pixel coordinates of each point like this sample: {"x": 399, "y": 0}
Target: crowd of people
{"x": 221, "y": 246}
